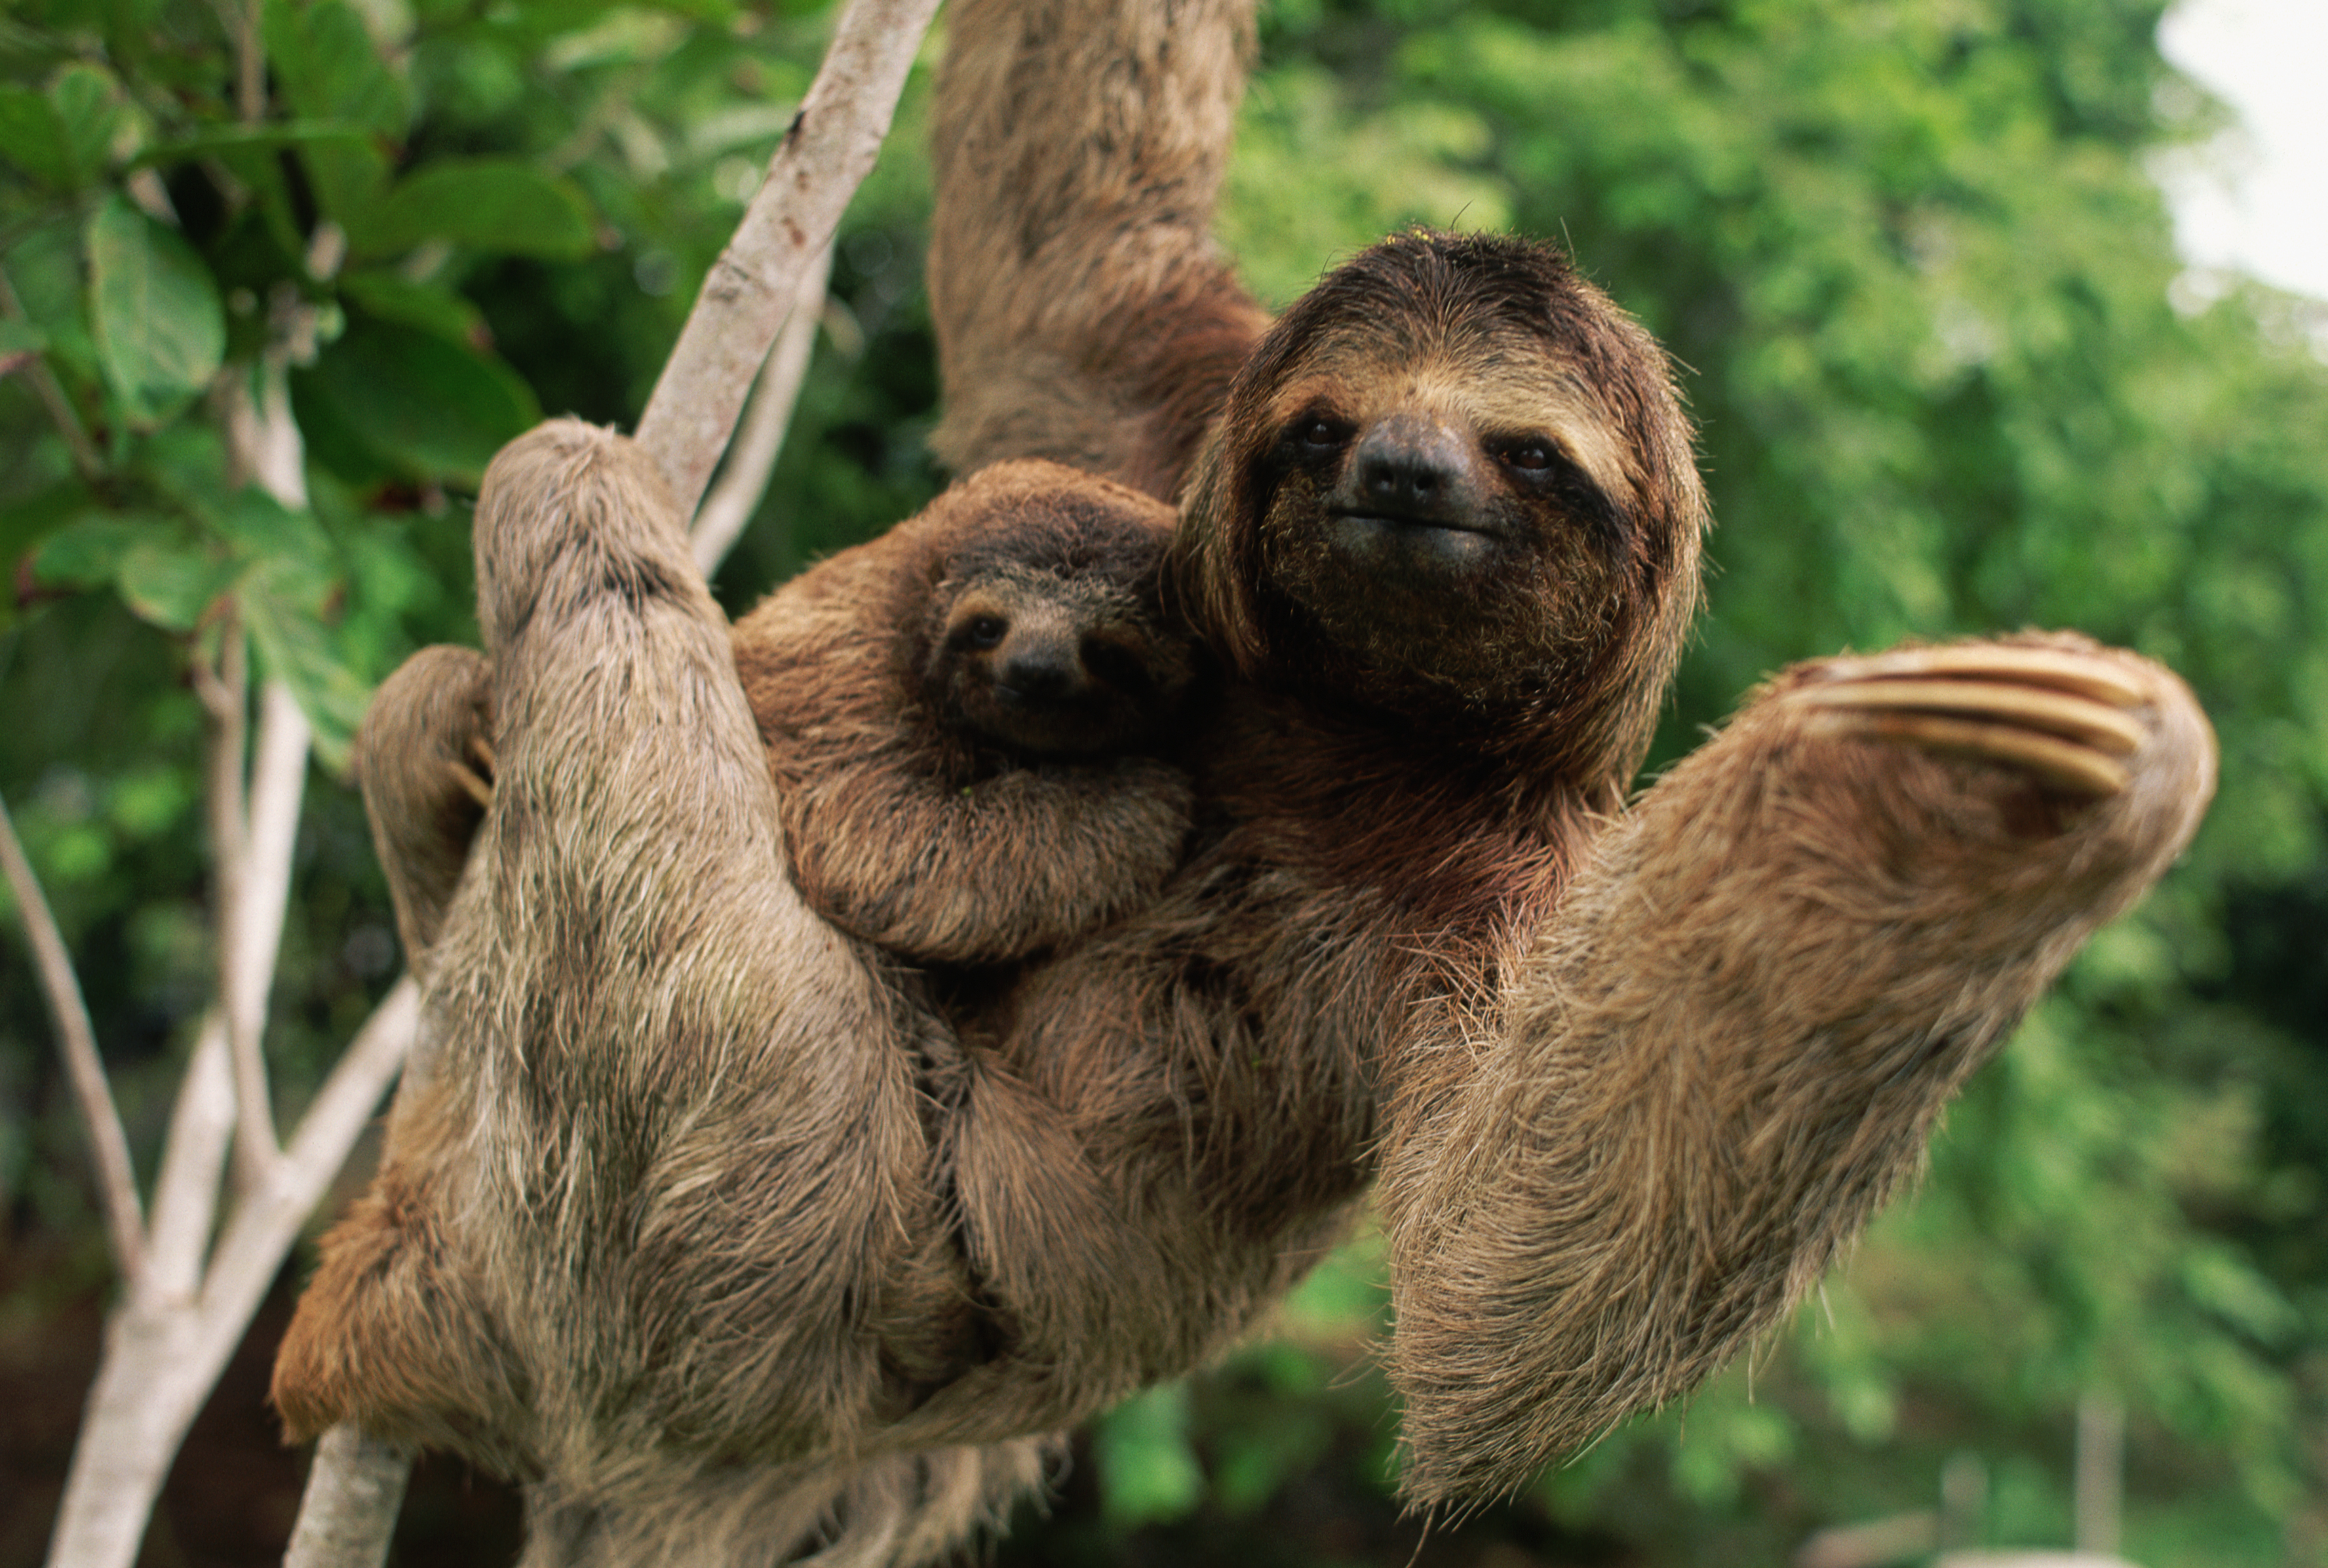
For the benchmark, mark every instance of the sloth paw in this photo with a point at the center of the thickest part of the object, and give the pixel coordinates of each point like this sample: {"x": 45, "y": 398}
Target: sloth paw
{"x": 2058, "y": 715}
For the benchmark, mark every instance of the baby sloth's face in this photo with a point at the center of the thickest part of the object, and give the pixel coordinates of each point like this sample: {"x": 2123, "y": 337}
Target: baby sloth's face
{"x": 1054, "y": 665}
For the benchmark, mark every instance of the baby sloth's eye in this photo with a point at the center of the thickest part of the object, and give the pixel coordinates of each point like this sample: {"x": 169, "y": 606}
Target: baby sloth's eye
{"x": 1529, "y": 456}
{"x": 984, "y": 631}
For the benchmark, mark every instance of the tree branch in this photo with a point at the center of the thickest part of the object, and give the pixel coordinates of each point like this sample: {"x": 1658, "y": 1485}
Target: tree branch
{"x": 815, "y": 171}
{"x": 355, "y": 1482}
{"x": 752, "y": 454}
{"x": 185, "y": 1197}
{"x": 225, "y": 696}
{"x": 108, "y": 1149}
{"x": 266, "y": 1221}
{"x": 250, "y": 934}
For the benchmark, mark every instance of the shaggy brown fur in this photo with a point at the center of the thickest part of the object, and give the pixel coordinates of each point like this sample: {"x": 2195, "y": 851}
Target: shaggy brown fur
{"x": 1629, "y": 1077}
{"x": 1082, "y": 312}
{"x": 966, "y": 717}
{"x": 1444, "y": 531}
{"x": 667, "y": 1203}
{"x": 424, "y": 760}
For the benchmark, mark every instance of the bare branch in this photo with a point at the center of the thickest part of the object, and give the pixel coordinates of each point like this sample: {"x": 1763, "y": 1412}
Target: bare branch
{"x": 226, "y": 698}
{"x": 186, "y": 1198}
{"x": 752, "y": 454}
{"x": 109, "y": 1150}
{"x": 251, "y": 933}
{"x": 815, "y": 171}
{"x": 356, "y": 1482}
{"x": 266, "y": 1220}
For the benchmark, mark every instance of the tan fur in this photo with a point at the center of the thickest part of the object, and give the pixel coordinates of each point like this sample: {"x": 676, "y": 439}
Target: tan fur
{"x": 418, "y": 761}
{"x": 1082, "y": 312}
{"x": 666, "y": 1204}
{"x": 908, "y": 824}
{"x": 784, "y": 1243}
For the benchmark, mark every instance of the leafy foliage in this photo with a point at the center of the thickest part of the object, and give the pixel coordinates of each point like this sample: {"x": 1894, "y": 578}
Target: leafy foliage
{"x": 1909, "y": 250}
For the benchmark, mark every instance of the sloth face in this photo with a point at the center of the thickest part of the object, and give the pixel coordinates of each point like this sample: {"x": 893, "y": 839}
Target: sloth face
{"x": 1453, "y": 478}
{"x": 1054, "y": 665}
{"x": 1462, "y": 518}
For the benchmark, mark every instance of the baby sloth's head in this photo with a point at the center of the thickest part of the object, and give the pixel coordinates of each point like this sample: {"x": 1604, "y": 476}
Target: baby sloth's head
{"x": 1045, "y": 633}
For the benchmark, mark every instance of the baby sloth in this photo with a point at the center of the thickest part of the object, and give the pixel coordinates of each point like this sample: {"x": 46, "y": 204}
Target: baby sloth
{"x": 971, "y": 718}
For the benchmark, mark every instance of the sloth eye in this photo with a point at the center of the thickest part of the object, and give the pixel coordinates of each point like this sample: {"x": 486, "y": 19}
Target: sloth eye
{"x": 1528, "y": 456}
{"x": 984, "y": 631}
{"x": 1320, "y": 434}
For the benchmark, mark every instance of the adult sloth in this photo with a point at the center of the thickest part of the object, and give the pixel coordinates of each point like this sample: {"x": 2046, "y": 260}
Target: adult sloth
{"x": 1628, "y": 1078}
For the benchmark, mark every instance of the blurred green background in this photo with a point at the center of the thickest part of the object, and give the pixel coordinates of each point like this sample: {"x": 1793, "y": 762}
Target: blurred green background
{"x": 1950, "y": 378}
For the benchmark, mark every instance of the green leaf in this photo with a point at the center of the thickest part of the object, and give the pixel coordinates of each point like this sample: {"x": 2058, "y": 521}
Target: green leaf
{"x": 263, "y": 527}
{"x": 32, "y": 520}
{"x": 299, "y": 648}
{"x": 380, "y": 292}
{"x": 88, "y": 552}
{"x": 171, "y": 585}
{"x": 161, "y": 331}
{"x": 428, "y": 408}
{"x": 34, "y": 139}
{"x": 329, "y": 69}
{"x": 496, "y": 204}
{"x": 89, "y": 107}
{"x": 21, "y": 337}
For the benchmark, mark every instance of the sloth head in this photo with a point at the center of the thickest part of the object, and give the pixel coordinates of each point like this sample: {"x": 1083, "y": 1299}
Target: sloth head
{"x": 1454, "y": 481}
{"x": 1045, "y": 632}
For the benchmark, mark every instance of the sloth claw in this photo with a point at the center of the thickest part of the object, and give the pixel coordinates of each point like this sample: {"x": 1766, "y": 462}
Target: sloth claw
{"x": 2057, "y": 715}
{"x": 477, "y": 780}
{"x": 477, "y": 789}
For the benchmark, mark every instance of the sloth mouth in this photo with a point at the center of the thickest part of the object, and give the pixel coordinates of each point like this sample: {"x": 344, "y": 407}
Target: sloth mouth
{"x": 1485, "y": 527}
{"x": 1400, "y": 542}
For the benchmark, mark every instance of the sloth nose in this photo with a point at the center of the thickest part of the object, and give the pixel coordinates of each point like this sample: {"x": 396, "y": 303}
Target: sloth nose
{"x": 1413, "y": 465}
{"x": 1040, "y": 674}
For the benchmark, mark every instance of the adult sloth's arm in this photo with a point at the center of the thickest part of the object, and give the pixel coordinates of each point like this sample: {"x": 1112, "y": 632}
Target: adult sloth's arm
{"x": 1082, "y": 312}
{"x": 1732, "y": 1044}
{"x": 673, "y": 1150}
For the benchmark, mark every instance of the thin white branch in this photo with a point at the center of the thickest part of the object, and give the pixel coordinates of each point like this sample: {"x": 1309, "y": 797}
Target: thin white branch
{"x": 816, "y": 169}
{"x": 116, "y": 1181}
{"x": 266, "y": 1221}
{"x": 356, "y": 1483}
{"x": 752, "y": 454}
{"x": 253, "y": 936}
{"x": 185, "y": 1197}
{"x": 227, "y": 699}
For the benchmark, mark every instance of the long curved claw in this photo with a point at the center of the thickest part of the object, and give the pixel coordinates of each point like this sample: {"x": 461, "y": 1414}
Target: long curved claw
{"x": 2101, "y": 679}
{"x": 2058, "y": 715}
{"x": 476, "y": 788}
{"x": 477, "y": 780}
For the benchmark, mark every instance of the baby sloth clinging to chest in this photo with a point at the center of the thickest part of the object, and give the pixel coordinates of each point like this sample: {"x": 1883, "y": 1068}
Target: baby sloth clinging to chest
{"x": 971, "y": 718}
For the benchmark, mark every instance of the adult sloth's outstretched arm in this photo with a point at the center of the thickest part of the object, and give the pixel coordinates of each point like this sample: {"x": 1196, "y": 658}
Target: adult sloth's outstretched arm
{"x": 1732, "y": 1046}
{"x": 1082, "y": 312}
